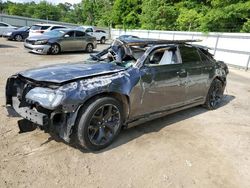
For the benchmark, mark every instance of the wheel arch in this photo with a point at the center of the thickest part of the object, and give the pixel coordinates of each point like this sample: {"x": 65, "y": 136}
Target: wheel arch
{"x": 220, "y": 78}
{"x": 122, "y": 98}
{"x": 57, "y": 43}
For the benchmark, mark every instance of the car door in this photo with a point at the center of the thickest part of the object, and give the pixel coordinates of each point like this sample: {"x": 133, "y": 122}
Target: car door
{"x": 67, "y": 42}
{"x": 162, "y": 83}
{"x": 197, "y": 77}
{"x": 80, "y": 39}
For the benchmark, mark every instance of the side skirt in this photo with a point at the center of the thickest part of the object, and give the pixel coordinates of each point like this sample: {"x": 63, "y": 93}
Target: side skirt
{"x": 155, "y": 115}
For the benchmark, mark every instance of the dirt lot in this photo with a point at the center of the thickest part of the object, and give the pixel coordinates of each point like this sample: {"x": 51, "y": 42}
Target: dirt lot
{"x": 192, "y": 148}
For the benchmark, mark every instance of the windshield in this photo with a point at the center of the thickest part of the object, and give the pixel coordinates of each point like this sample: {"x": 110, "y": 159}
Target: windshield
{"x": 23, "y": 28}
{"x": 55, "y": 33}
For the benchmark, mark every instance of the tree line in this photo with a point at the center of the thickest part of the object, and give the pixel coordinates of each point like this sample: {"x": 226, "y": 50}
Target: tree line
{"x": 178, "y": 15}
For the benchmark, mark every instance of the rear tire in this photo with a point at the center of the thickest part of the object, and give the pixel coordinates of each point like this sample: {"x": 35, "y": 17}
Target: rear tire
{"x": 55, "y": 49}
{"x": 99, "y": 123}
{"x": 215, "y": 94}
{"x": 103, "y": 40}
{"x": 19, "y": 38}
{"x": 89, "y": 48}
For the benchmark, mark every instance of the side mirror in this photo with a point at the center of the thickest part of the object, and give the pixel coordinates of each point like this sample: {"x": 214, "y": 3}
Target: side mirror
{"x": 66, "y": 36}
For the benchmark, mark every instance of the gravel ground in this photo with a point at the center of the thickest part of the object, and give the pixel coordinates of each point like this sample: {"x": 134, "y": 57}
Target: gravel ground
{"x": 191, "y": 148}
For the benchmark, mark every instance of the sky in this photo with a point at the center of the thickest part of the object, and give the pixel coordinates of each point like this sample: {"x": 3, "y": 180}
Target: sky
{"x": 51, "y": 1}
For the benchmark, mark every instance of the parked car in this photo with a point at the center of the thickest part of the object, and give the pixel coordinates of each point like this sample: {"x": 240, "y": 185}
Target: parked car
{"x": 124, "y": 37}
{"x": 123, "y": 85}
{"x": 4, "y": 27}
{"x": 18, "y": 35}
{"x": 60, "y": 40}
{"x": 99, "y": 34}
{"x": 39, "y": 29}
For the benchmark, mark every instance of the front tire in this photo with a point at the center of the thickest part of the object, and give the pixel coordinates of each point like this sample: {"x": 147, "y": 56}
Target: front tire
{"x": 103, "y": 40}
{"x": 99, "y": 123}
{"x": 19, "y": 38}
{"x": 215, "y": 94}
{"x": 55, "y": 49}
{"x": 89, "y": 48}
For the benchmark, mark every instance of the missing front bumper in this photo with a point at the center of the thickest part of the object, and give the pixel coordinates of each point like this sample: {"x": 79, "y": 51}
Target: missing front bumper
{"x": 30, "y": 114}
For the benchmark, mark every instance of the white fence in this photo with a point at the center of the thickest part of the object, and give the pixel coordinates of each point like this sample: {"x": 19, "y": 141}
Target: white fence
{"x": 233, "y": 48}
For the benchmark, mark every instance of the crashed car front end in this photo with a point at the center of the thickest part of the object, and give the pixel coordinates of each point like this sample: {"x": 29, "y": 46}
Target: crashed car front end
{"x": 55, "y": 106}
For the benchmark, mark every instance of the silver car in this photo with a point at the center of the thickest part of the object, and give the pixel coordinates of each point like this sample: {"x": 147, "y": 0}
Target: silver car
{"x": 4, "y": 28}
{"x": 61, "y": 40}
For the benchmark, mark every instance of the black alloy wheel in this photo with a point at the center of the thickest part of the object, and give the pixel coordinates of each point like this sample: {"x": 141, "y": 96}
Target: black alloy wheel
{"x": 214, "y": 95}
{"x": 99, "y": 123}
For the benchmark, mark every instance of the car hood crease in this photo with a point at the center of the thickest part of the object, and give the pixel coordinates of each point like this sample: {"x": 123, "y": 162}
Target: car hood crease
{"x": 66, "y": 72}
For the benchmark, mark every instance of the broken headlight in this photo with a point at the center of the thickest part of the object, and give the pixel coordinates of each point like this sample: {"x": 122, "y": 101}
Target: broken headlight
{"x": 47, "y": 98}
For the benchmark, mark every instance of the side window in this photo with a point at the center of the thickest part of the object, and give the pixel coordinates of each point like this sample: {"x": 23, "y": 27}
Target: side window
{"x": 71, "y": 34}
{"x": 204, "y": 58}
{"x": 57, "y": 27}
{"x": 44, "y": 27}
{"x": 189, "y": 55}
{"x": 80, "y": 34}
{"x": 163, "y": 56}
{"x": 89, "y": 30}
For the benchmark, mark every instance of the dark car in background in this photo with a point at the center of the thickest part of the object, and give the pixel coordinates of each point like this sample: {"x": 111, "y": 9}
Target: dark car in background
{"x": 130, "y": 82}
{"x": 61, "y": 40}
{"x": 17, "y": 35}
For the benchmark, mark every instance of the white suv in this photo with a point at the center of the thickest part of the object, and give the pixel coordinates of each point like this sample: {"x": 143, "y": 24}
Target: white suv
{"x": 39, "y": 29}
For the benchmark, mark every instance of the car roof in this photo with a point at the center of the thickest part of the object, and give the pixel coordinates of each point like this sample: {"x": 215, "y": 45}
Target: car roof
{"x": 67, "y": 29}
{"x": 45, "y": 24}
{"x": 148, "y": 42}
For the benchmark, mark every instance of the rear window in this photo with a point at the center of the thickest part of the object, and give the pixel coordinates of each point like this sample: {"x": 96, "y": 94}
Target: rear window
{"x": 100, "y": 31}
{"x": 39, "y": 27}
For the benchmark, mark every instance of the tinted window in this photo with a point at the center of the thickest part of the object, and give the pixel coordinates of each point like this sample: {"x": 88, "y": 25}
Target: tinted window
{"x": 100, "y": 31}
{"x": 204, "y": 58}
{"x": 39, "y": 27}
{"x": 89, "y": 30}
{"x": 57, "y": 27}
{"x": 189, "y": 54}
{"x": 71, "y": 34}
{"x": 79, "y": 34}
{"x": 3, "y": 25}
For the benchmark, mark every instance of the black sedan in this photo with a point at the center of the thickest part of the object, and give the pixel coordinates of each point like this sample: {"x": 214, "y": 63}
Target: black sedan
{"x": 18, "y": 35}
{"x": 122, "y": 86}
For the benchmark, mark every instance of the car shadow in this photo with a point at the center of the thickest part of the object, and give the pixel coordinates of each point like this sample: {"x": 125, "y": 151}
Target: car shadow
{"x": 127, "y": 135}
{"x": 7, "y": 46}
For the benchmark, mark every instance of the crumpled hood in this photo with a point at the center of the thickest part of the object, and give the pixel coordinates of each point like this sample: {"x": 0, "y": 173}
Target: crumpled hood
{"x": 66, "y": 72}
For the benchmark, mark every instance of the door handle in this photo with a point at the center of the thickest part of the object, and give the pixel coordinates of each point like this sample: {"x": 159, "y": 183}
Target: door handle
{"x": 182, "y": 73}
